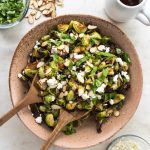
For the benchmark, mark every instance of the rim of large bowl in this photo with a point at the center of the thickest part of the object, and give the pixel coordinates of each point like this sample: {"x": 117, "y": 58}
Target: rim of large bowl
{"x": 86, "y": 16}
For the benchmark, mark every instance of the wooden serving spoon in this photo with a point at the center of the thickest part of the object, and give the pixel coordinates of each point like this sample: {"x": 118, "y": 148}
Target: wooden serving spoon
{"x": 64, "y": 118}
{"x": 31, "y": 98}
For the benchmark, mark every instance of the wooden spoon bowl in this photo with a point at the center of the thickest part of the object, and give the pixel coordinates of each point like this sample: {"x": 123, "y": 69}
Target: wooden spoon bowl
{"x": 86, "y": 134}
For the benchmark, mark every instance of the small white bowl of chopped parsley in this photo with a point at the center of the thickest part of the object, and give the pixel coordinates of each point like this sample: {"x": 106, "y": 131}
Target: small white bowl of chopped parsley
{"x": 12, "y": 12}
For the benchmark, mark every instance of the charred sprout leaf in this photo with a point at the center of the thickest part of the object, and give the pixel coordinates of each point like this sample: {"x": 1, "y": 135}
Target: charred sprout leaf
{"x": 55, "y": 57}
{"x": 41, "y": 72}
{"x": 109, "y": 96}
{"x": 105, "y": 40}
{"x": 79, "y": 49}
{"x": 105, "y": 54}
{"x": 95, "y": 35}
{"x": 78, "y": 27}
{"x": 93, "y": 72}
{"x": 63, "y": 27}
{"x": 102, "y": 114}
{"x": 70, "y": 96}
{"x": 118, "y": 98}
{"x": 69, "y": 129}
{"x": 48, "y": 99}
{"x": 45, "y": 38}
{"x": 30, "y": 73}
{"x": 118, "y": 51}
{"x": 49, "y": 119}
{"x": 82, "y": 60}
{"x": 126, "y": 58}
{"x": 84, "y": 105}
{"x": 85, "y": 40}
{"x": 100, "y": 80}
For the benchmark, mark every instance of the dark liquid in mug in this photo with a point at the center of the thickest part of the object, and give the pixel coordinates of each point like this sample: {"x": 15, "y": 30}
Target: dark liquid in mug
{"x": 131, "y": 2}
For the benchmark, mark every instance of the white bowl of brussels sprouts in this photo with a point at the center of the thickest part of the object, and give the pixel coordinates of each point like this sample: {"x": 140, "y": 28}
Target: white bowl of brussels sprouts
{"x": 83, "y": 63}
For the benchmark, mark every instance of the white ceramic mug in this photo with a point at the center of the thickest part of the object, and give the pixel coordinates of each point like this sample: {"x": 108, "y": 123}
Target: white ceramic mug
{"x": 120, "y": 12}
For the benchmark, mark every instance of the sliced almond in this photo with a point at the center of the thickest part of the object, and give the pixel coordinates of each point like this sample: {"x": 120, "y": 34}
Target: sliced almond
{"x": 48, "y": 6}
{"x": 42, "y": 8}
{"x": 49, "y": 13}
{"x": 38, "y": 15}
{"x": 45, "y": 12}
{"x": 35, "y": 4}
{"x": 30, "y": 19}
{"x": 31, "y": 7}
{"x": 33, "y": 12}
{"x": 40, "y": 2}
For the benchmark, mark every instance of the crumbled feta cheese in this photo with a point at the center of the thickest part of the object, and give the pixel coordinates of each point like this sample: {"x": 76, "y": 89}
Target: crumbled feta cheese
{"x": 70, "y": 102}
{"x": 91, "y": 27}
{"x": 107, "y": 49}
{"x": 111, "y": 101}
{"x": 91, "y": 94}
{"x": 38, "y": 119}
{"x": 66, "y": 49}
{"x": 72, "y": 35}
{"x": 58, "y": 76}
{"x": 74, "y": 68}
{"x": 35, "y": 47}
{"x": 115, "y": 78}
{"x": 119, "y": 60}
{"x": 101, "y": 88}
{"x": 37, "y": 43}
{"x": 52, "y": 83}
{"x": 67, "y": 62}
{"x": 80, "y": 77}
{"x": 78, "y": 56}
{"x": 81, "y": 35}
{"x": 54, "y": 49}
{"x": 89, "y": 64}
{"x": 19, "y": 75}
{"x": 63, "y": 82}
{"x": 40, "y": 64}
{"x": 125, "y": 74}
{"x": 85, "y": 96}
{"x": 105, "y": 104}
{"x": 101, "y": 47}
{"x": 71, "y": 55}
{"x": 93, "y": 49}
{"x": 59, "y": 86}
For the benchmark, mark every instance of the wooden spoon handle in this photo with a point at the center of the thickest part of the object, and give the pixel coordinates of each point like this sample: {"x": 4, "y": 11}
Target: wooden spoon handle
{"x": 64, "y": 118}
{"x": 54, "y": 134}
{"x": 13, "y": 111}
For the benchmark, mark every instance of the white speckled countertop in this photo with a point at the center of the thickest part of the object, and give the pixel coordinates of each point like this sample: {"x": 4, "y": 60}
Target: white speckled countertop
{"x": 15, "y": 136}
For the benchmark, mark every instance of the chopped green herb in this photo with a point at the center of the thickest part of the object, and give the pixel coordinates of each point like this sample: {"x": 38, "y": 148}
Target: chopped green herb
{"x": 10, "y": 10}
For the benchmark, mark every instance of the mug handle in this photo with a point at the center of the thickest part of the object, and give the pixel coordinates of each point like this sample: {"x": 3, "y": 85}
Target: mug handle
{"x": 144, "y": 17}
